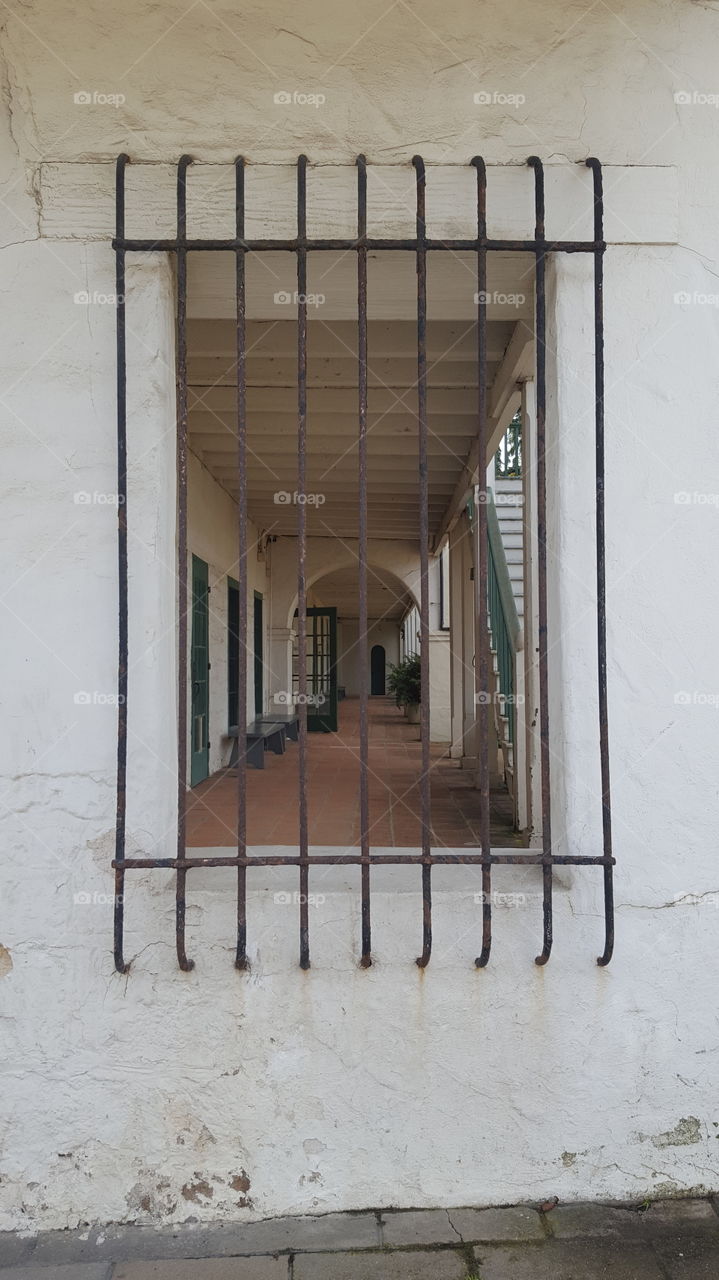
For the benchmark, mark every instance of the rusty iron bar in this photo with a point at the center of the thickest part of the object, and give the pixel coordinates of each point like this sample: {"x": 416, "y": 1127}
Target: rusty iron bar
{"x": 241, "y": 961}
{"x": 345, "y": 246}
{"x": 481, "y": 645}
{"x": 376, "y": 859}
{"x": 302, "y": 552}
{"x": 122, "y": 569}
{"x": 541, "y": 354}
{"x": 301, "y": 245}
{"x": 366, "y": 958}
{"x": 596, "y": 168}
{"x": 425, "y": 799}
{"x": 180, "y": 902}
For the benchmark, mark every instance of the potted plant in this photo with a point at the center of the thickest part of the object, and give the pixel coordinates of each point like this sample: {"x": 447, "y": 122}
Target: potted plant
{"x": 404, "y": 681}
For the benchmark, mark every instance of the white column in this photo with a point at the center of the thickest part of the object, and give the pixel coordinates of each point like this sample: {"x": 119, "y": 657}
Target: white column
{"x": 572, "y": 640}
{"x": 469, "y": 719}
{"x": 528, "y": 720}
{"x": 280, "y": 673}
{"x": 456, "y": 632}
{"x": 152, "y": 555}
{"x": 440, "y": 721}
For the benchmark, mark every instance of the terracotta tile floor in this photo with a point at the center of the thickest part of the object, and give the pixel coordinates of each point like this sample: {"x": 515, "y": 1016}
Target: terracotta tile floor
{"x": 333, "y": 792}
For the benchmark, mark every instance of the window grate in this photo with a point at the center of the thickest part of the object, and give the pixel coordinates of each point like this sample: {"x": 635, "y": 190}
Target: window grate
{"x": 420, "y": 245}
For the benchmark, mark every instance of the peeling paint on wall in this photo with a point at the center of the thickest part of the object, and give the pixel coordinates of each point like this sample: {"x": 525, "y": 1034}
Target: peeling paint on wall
{"x": 199, "y": 1190}
{"x": 96, "y": 1061}
{"x": 684, "y": 1134}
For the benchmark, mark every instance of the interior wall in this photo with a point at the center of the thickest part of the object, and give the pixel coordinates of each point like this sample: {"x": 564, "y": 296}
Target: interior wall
{"x": 212, "y": 535}
{"x": 379, "y": 631}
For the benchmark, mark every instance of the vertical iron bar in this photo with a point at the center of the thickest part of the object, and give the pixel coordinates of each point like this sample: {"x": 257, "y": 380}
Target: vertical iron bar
{"x": 184, "y": 163}
{"x": 425, "y": 798}
{"x": 241, "y": 961}
{"x": 302, "y": 549}
{"x": 541, "y": 343}
{"x": 119, "y": 905}
{"x": 596, "y": 169}
{"x": 366, "y": 959}
{"x": 482, "y": 711}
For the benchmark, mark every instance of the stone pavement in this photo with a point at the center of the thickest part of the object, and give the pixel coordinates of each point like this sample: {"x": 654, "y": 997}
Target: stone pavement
{"x": 395, "y": 767}
{"x": 665, "y": 1240}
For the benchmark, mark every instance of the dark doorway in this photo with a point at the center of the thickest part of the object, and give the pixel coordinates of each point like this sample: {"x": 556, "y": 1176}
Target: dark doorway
{"x": 233, "y": 651}
{"x": 200, "y": 674}
{"x": 258, "y": 651}
{"x": 377, "y": 665}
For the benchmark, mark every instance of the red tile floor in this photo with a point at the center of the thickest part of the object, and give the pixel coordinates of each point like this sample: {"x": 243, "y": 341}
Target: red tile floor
{"x": 333, "y": 792}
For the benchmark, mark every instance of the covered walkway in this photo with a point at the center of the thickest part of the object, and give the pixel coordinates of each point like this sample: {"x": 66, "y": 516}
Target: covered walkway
{"x": 333, "y": 792}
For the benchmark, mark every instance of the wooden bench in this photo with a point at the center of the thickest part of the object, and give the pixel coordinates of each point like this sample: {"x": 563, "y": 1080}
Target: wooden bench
{"x": 289, "y": 720}
{"x": 260, "y": 736}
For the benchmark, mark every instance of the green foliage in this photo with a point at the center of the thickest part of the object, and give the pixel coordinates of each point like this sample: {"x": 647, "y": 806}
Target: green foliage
{"x": 404, "y": 681}
{"x": 508, "y": 458}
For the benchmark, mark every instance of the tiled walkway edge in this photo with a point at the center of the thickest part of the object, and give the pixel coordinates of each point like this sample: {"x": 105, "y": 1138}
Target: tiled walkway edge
{"x": 665, "y": 1240}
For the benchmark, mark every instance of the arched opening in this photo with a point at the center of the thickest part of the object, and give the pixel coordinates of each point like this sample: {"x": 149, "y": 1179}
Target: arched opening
{"x": 388, "y": 600}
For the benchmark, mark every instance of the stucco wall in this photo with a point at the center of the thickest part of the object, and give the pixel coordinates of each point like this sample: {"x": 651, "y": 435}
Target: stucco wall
{"x": 384, "y": 632}
{"x": 163, "y": 1095}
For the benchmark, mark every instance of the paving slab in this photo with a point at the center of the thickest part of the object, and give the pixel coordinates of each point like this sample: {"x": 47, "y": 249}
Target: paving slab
{"x": 689, "y": 1259}
{"x": 96, "y": 1271}
{"x": 334, "y": 1231}
{"x": 424, "y": 1264}
{"x": 205, "y": 1269}
{"x": 418, "y": 1227}
{"x": 569, "y": 1260}
{"x": 210, "y": 1240}
{"x": 447, "y": 1226}
{"x": 118, "y": 1243}
{"x": 577, "y": 1221}
{"x": 632, "y": 1223}
{"x": 498, "y": 1225}
{"x": 696, "y": 1216}
{"x": 15, "y": 1248}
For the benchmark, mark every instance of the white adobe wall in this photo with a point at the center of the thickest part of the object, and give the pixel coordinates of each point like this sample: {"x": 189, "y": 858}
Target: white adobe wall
{"x": 161, "y": 1096}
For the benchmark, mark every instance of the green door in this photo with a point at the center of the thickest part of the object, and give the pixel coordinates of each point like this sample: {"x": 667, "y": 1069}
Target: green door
{"x": 321, "y": 670}
{"x": 199, "y": 674}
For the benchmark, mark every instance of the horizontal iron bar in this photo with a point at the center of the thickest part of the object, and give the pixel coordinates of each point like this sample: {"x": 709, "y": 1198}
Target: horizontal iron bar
{"x": 312, "y": 246}
{"x": 352, "y": 860}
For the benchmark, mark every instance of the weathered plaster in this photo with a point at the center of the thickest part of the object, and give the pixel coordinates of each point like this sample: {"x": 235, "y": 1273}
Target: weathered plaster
{"x": 445, "y": 1087}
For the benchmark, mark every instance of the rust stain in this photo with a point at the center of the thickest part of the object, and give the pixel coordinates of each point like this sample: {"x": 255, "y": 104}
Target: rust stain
{"x": 198, "y": 1191}
{"x": 241, "y": 1182}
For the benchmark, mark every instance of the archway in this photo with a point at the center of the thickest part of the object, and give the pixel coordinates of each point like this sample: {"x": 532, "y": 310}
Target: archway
{"x": 391, "y": 565}
{"x": 332, "y": 576}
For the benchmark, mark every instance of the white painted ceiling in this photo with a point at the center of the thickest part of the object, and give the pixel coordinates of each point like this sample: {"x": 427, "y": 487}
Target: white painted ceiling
{"x": 332, "y": 415}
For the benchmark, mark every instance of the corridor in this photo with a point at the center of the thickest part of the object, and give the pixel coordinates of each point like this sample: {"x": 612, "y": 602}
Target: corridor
{"x": 333, "y": 792}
